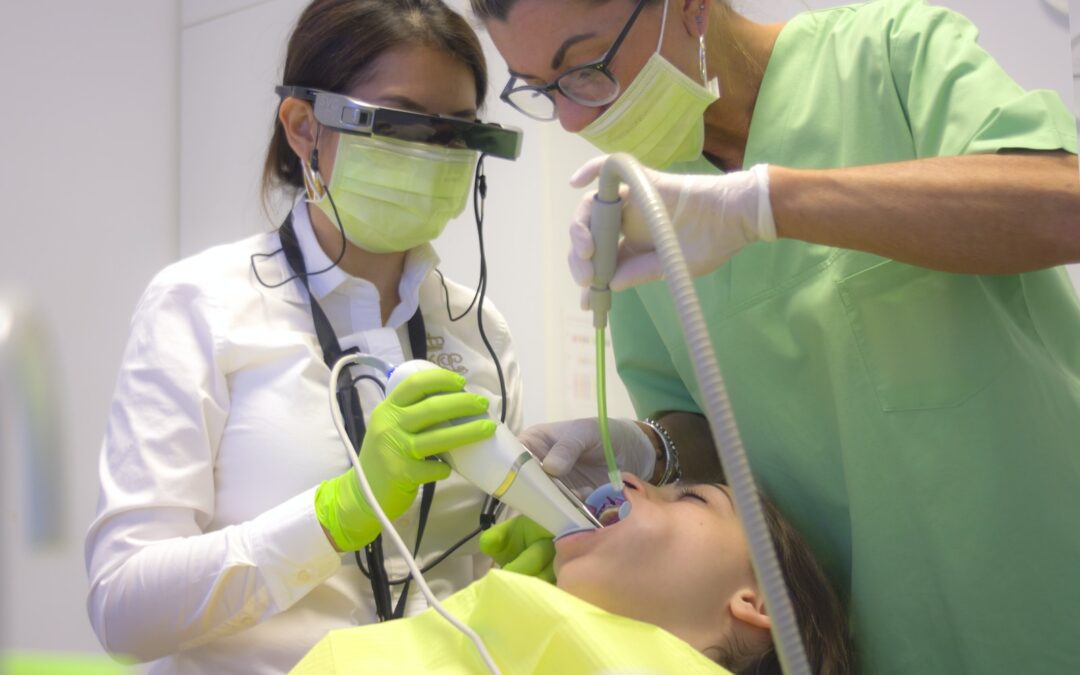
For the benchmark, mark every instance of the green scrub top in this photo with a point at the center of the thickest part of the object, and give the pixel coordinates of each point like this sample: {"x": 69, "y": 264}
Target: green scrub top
{"x": 921, "y": 429}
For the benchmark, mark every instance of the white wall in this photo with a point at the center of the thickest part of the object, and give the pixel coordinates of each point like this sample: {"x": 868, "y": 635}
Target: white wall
{"x": 88, "y": 182}
{"x": 110, "y": 174}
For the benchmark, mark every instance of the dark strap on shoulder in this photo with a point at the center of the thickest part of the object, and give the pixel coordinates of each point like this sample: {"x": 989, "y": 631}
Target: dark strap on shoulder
{"x": 353, "y": 416}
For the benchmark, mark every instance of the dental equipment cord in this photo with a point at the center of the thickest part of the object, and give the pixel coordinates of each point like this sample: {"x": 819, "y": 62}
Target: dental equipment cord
{"x": 479, "y": 195}
{"x": 387, "y": 526}
{"x": 717, "y": 405}
{"x": 492, "y": 507}
{"x": 601, "y": 404}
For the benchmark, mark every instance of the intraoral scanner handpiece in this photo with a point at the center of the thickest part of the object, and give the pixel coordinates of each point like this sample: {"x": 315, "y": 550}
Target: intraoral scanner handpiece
{"x": 505, "y": 469}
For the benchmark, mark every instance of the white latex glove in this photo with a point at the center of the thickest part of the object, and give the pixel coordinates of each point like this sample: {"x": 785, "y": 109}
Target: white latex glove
{"x": 713, "y": 217}
{"x": 571, "y": 450}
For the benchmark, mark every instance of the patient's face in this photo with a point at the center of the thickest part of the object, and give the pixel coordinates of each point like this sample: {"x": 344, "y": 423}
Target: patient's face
{"x": 675, "y": 561}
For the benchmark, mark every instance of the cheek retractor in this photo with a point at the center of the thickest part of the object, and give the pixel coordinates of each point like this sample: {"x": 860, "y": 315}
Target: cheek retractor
{"x": 608, "y": 504}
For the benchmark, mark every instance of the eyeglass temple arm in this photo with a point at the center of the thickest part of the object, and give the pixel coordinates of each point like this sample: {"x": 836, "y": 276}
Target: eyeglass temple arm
{"x": 624, "y": 32}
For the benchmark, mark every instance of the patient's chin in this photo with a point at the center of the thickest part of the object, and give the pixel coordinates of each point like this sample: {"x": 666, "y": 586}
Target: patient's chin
{"x": 587, "y": 590}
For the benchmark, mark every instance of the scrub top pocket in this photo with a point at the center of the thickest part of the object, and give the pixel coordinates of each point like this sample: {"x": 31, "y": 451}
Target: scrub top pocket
{"x": 928, "y": 339}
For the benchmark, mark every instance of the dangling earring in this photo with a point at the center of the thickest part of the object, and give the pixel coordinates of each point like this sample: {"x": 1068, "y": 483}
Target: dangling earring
{"x": 701, "y": 43}
{"x": 313, "y": 182}
{"x": 714, "y": 85}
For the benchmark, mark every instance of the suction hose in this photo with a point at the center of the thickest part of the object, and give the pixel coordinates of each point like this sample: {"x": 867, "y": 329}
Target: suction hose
{"x": 729, "y": 445}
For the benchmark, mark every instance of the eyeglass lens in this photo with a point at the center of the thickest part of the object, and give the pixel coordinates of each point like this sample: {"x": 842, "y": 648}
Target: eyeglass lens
{"x": 590, "y": 84}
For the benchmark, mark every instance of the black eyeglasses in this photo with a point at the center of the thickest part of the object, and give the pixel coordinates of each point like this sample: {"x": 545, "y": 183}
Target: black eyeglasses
{"x": 591, "y": 84}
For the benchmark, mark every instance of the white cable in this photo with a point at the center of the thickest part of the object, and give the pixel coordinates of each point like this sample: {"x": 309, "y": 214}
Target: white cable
{"x": 729, "y": 444}
{"x": 387, "y": 527}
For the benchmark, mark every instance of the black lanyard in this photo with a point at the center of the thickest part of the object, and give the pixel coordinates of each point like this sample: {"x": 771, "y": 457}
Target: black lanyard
{"x": 354, "y": 421}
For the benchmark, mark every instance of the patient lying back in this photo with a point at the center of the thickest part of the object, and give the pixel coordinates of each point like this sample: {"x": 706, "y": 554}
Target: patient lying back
{"x": 669, "y": 588}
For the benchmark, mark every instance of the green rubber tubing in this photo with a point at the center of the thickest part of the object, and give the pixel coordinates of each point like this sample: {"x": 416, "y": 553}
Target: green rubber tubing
{"x": 601, "y": 405}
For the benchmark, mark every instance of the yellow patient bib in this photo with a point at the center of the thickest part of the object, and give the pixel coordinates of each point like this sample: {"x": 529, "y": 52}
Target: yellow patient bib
{"x": 528, "y": 626}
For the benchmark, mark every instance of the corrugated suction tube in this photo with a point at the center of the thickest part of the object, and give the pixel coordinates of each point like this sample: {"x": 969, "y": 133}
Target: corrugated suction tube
{"x": 729, "y": 445}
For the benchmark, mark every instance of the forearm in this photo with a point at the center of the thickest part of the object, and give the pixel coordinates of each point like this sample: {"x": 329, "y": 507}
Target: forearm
{"x": 152, "y": 594}
{"x": 976, "y": 214}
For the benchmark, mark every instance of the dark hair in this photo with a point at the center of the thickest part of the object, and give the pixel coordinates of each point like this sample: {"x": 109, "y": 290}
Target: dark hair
{"x": 822, "y": 620}
{"x": 498, "y": 9}
{"x": 335, "y": 42}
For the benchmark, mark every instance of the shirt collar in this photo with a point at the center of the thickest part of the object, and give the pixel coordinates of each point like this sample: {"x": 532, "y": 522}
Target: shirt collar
{"x": 419, "y": 262}
{"x": 315, "y": 259}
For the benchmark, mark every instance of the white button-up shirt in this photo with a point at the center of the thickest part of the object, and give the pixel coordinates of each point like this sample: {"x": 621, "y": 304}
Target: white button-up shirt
{"x": 206, "y": 554}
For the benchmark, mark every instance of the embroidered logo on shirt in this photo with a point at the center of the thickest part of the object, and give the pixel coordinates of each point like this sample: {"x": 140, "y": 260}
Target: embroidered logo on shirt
{"x": 449, "y": 360}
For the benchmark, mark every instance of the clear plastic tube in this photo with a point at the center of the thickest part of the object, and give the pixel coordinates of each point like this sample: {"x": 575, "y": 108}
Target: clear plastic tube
{"x": 601, "y": 404}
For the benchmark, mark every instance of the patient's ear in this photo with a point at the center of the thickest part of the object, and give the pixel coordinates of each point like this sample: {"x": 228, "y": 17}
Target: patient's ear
{"x": 749, "y": 607}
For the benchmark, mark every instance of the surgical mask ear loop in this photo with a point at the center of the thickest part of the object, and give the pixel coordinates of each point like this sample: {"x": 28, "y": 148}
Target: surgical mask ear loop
{"x": 713, "y": 86}
{"x": 313, "y": 182}
{"x": 663, "y": 23}
{"x": 700, "y": 20}
{"x": 317, "y": 191}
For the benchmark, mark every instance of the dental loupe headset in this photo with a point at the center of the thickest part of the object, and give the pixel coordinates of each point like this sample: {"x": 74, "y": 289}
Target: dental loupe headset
{"x": 342, "y": 113}
{"x": 353, "y": 116}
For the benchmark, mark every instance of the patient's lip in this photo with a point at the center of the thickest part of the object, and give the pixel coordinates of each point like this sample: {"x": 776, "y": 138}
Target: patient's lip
{"x": 577, "y": 543}
{"x": 574, "y": 534}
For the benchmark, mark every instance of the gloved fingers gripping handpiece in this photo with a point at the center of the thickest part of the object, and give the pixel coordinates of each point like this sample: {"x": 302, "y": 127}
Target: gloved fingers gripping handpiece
{"x": 520, "y": 545}
{"x": 572, "y": 451}
{"x": 334, "y": 508}
{"x": 502, "y": 467}
{"x": 713, "y": 216}
{"x": 605, "y": 225}
{"x": 405, "y": 430}
{"x": 427, "y": 425}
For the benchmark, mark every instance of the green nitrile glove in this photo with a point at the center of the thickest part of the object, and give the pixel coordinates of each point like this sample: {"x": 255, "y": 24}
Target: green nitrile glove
{"x": 403, "y": 431}
{"x": 520, "y": 545}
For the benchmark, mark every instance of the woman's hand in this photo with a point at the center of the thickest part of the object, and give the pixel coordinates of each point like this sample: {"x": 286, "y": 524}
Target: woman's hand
{"x": 571, "y": 450}
{"x": 713, "y": 217}
{"x": 404, "y": 432}
{"x": 520, "y": 545}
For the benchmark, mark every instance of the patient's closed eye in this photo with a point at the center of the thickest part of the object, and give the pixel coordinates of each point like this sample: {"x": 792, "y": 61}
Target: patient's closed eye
{"x": 690, "y": 493}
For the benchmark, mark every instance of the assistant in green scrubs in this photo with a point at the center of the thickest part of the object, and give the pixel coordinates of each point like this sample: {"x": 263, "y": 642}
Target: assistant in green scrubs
{"x": 920, "y": 427}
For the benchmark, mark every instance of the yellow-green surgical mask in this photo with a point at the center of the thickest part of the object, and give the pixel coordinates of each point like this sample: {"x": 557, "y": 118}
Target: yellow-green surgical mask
{"x": 660, "y": 118}
{"x": 394, "y": 195}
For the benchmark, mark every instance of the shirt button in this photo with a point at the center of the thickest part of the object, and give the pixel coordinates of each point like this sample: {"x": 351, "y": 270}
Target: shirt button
{"x": 303, "y": 576}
